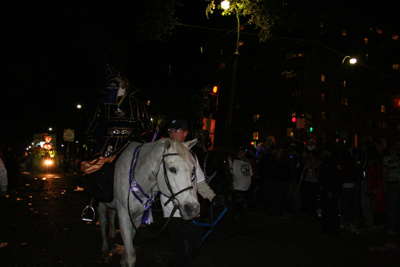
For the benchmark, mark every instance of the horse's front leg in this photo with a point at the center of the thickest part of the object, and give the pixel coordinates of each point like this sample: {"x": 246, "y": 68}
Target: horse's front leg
{"x": 103, "y": 225}
{"x": 127, "y": 234}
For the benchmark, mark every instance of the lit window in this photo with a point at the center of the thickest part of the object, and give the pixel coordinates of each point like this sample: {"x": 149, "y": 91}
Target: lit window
{"x": 379, "y": 30}
{"x": 323, "y": 115}
{"x": 255, "y": 135}
{"x": 289, "y": 55}
{"x": 344, "y": 32}
{"x": 383, "y": 124}
{"x": 383, "y": 109}
{"x": 222, "y": 52}
{"x": 300, "y": 55}
{"x": 289, "y": 132}
{"x": 395, "y": 37}
{"x": 396, "y": 66}
{"x": 321, "y": 24}
{"x": 294, "y": 113}
{"x": 221, "y": 66}
{"x": 323, "y": 78}
{"x": 256, "y": 117}
{"x": 344, "y": 100}
{"x": 323, "y": 97}
{"x": 240, "y": 42}
{"x": 366, "y": 56}
{"x": 344, "y": 83}
{"x": 365, "y": 40}
{"x": 291, "y": 74}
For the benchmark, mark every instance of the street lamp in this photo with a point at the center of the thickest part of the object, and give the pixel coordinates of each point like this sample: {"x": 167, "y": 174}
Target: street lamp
{"x": 226, "y": 5}
{"x": 351, "y": 61}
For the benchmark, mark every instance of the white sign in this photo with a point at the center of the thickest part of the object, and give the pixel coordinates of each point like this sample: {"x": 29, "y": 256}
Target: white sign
{"x": 69, "y": 135}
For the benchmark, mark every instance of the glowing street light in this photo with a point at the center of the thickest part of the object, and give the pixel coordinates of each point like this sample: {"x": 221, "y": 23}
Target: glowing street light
{"x": 225, "y": 4}
{"x": 78, "y": 106}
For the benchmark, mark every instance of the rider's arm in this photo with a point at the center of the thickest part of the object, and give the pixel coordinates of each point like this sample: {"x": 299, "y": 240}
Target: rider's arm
{"x": 205, "y": 191}
{"x": 202, "y": 187}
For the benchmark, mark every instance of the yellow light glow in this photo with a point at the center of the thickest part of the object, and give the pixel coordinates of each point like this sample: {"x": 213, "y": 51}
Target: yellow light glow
{"x": 353, "y": 60}
{"x": 225, "y": 4}
{"x": 215, "y": 89}
{"x": 48, "y": 162}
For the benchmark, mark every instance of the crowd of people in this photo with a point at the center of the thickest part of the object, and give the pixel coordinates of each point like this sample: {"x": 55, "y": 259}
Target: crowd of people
{"x": 342, "y": 186}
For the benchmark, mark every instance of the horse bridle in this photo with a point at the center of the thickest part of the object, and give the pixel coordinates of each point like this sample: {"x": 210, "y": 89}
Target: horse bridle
{"x": 173, "y": 195}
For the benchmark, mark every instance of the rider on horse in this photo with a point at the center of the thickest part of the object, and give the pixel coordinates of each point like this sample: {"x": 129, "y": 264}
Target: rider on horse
{"x": 119, "y": 118}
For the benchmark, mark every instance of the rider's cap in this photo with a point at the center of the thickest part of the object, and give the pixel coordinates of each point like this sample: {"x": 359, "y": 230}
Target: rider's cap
{"x": 241, "y": 149}
{"x": 177, "y": 124}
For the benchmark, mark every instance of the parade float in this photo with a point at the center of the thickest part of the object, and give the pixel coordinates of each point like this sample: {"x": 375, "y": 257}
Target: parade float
{"x": 45, "y": 156}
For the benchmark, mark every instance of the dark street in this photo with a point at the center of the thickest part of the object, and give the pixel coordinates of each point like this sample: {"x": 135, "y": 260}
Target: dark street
{"x": 41, "y": 226}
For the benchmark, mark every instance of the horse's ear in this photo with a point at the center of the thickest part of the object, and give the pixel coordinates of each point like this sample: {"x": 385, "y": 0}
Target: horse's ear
{"x": 190, "y": 144}
{"x": 167, "y": 143}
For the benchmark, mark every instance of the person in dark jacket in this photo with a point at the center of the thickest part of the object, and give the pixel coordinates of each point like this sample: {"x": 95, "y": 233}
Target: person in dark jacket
{"x": 330, "y": 181}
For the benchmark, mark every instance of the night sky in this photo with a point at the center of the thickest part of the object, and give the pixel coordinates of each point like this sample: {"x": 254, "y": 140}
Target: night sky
{"x": 53, "y": 57}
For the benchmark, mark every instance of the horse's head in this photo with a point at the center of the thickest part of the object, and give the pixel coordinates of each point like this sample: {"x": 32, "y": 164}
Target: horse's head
{"x": 176, "y": 177}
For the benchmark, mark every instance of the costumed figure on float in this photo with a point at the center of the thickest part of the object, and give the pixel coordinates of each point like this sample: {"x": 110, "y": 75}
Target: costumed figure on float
{"x": 119, "y": 118}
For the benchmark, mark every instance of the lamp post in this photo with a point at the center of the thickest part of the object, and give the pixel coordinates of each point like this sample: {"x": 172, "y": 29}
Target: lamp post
{"x": 226, "y": 5}
{"x": 351, "y": 61}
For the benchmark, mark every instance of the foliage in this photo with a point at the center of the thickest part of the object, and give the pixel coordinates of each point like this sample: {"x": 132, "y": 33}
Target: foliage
{"x": 157, "y": 18}
{"x": 287, "y": 15}
{"x": 264, "y": 14}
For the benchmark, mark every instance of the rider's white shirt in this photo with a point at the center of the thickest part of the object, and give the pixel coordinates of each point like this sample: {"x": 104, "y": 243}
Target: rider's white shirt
{"x": 170, "y": 206}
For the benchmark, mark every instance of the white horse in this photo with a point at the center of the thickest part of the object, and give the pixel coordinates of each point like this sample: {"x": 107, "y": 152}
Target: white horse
{"x": 165, "y": 166}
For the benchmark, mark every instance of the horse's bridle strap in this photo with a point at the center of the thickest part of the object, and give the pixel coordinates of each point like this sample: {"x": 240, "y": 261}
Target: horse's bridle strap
{"x": 173, "y": 195}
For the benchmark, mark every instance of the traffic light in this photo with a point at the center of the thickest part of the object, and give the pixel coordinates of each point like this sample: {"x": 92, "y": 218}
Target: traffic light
{"x": 214, "y": 94}
{"x": 308, "y": 123}
{"x": 214, "y": 90}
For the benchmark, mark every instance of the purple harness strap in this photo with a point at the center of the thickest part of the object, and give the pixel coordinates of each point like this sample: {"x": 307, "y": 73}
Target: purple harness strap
{"x": 137, "y": 190}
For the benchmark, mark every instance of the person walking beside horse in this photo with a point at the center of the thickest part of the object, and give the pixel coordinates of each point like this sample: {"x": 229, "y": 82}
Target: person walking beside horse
{"x": 186, "y": 237}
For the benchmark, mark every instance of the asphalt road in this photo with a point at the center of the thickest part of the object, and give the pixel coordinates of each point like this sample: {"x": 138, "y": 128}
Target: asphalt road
{"x": 40, "y": 226}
